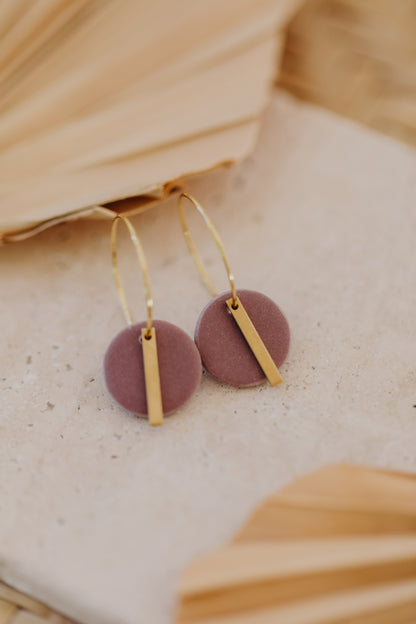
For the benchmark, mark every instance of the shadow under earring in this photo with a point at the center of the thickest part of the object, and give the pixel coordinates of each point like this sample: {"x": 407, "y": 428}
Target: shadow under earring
{"x": 242, "y": 336}
{"x": 150, "y": 368}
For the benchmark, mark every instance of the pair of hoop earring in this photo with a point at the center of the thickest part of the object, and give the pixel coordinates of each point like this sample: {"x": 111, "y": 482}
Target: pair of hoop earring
{"x": 152, "y": 368}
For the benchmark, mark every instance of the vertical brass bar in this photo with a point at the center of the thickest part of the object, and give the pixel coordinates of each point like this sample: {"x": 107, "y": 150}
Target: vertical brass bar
{"x": 254, "y": 341}
{"x": 152, "y": 378}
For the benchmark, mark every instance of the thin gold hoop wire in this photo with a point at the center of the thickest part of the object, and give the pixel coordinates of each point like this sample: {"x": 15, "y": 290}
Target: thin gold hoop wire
{"x": 194, "y": 252}
{"x": 143, "y": 266}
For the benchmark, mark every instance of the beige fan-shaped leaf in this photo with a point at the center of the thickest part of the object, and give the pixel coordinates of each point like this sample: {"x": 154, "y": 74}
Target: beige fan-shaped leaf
{"x": 106, "y": 99}
{"x": 336, "y": 546}
{"x": 18, "y": 608}
{"x": 358, "y": 59}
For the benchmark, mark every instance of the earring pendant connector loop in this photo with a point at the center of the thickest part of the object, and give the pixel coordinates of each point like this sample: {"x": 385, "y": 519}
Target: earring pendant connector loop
{"x": 143, "y": 266}
{"x": 194, "y": 252}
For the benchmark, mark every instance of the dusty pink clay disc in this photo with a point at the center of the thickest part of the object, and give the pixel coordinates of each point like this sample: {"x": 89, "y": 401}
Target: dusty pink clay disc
{"x": 223, "y": 348}
{"x": 179, "y": 368}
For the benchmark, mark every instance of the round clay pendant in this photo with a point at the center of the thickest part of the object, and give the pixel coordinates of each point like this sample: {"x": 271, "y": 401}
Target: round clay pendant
{"x": 179, "y": 367}
{"x": 223, "y": 348}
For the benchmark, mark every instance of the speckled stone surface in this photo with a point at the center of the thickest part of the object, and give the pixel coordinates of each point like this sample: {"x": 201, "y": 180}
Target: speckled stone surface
{"x": 99, "y": 511}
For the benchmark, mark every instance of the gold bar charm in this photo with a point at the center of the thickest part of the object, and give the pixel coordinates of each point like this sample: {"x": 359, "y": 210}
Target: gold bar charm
{"x": 152, "y": 378}
{"x": 255, "y": 343}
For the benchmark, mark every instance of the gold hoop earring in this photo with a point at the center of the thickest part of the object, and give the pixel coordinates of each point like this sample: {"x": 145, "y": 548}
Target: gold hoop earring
{"x": 242, "y": 336}
{"x": 150, "y": 368}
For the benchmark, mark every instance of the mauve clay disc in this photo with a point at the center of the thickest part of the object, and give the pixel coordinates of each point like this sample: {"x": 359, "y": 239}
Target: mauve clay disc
{"x": 223, "y": 348}
{"x": 179, "y": 367}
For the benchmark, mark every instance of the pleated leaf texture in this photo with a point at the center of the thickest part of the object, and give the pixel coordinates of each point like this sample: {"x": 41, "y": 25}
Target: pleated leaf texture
{"x": 18, "y": 608}
{"x": 358, "y": 59}
{"x": 102, "y": 100}
{"x": 337, "y": 546}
